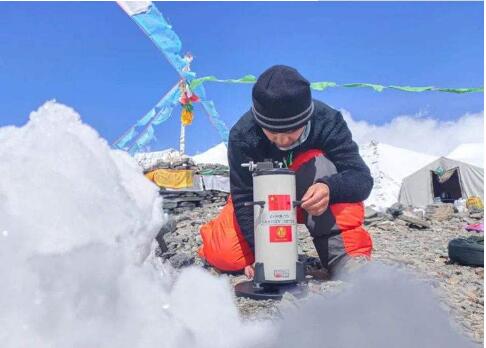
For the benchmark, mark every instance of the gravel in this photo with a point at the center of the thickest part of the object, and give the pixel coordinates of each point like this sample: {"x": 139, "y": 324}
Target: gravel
{"x": 418, "y": 245}
{"x": 460, "y": 288}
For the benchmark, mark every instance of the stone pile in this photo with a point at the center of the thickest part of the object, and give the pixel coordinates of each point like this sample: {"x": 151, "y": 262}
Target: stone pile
{"x": 179, "y": 238}
{"x": 168, "y": 159}
{"x": 172, "y": 159}
{"x": 177, "y": 202}
{"x": 212, "y": 169}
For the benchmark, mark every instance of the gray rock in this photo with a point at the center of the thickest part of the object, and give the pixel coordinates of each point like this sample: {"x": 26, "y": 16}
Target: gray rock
{"x": 173, "y": 239}
{"x": 370, "y": 212}
{"x": 477, "y": 215}
{"x": 186, "y": 199}
{"x": 166, "y": 204}
{"x": 169, "y": 227}
{"x": 181, "y": 260}
{"x": 413, "y": 221}
{"x": 374, "y": 219}
{"x": 439, "y": 211}
{"x": 162, "y": 246}
{"x": 181, "y": 210}
{"x": 395, "y": 210}
{"x": 187, "y": 205}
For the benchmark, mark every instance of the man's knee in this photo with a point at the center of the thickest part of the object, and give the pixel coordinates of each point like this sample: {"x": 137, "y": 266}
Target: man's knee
{"x": 341, "y": 243}
{"x": 347, "y": 265}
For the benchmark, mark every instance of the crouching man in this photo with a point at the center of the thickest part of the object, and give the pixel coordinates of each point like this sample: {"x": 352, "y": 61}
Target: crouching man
{"x": 285, "y": 124}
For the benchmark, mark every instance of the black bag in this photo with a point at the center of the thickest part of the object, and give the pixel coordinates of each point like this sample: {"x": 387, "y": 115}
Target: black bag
{"x": 467, "y": 251}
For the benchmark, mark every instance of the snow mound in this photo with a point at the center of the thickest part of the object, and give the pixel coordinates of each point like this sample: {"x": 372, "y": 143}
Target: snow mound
{"x": 65, "y": 178}
{"x": 389, "y": 165}
{"x": 215, "y": 155}
{"x": 471, "y": 153}
{"x": 77, "y": 223}
{"x": 378, "y": 305}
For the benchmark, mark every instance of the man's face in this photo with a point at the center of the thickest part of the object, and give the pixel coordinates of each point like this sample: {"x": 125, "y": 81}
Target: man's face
{"x": 284, "y": 139}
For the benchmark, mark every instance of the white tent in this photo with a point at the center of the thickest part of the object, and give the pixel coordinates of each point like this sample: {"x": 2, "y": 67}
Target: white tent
{"x": 445, "y": 178}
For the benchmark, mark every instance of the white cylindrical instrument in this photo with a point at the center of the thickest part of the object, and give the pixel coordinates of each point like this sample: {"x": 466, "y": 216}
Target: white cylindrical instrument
{"x": 275, "y": 224}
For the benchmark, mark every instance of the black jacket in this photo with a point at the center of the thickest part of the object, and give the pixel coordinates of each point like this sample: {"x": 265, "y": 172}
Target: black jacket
{"x": 329, "y": 132}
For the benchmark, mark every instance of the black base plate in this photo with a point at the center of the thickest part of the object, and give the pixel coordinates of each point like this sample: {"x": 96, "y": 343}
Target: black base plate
{"x": 269, "y": 291}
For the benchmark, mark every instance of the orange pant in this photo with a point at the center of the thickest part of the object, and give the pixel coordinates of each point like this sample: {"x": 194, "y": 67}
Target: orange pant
{"x": 338, "y": 232}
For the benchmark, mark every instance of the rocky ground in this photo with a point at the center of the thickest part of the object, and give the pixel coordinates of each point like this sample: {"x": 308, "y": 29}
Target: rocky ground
{"x": 418, "y": 243}
{"x": 425, "y": 251}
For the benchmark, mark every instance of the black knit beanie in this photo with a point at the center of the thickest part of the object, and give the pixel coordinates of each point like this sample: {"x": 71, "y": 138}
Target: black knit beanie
{"x": 282, "y": 99}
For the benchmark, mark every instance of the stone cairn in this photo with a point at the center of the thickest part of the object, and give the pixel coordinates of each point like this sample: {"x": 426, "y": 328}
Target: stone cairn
{"x": 177, "y": 202}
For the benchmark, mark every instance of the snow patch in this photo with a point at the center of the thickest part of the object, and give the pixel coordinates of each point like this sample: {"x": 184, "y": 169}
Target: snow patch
{"x": 380, "y": 306}
{"x": 471, "y": 153}
{"x": 78, "y": 222}
{"x": 215, "y": 155}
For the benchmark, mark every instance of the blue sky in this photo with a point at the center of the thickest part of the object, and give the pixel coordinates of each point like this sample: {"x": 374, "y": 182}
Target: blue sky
{"x": 92, "y": 57}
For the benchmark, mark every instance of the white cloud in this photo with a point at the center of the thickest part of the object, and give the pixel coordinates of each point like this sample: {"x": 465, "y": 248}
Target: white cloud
{"x": 417, "y": 133}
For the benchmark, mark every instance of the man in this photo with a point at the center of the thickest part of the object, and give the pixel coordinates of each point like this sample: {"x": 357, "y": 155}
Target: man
{"x": 283, "y": 124}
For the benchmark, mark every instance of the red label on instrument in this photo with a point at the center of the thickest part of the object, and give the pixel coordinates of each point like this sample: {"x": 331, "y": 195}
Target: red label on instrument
{"x": 279, "y": 234}
{"x": 279, "y": 202}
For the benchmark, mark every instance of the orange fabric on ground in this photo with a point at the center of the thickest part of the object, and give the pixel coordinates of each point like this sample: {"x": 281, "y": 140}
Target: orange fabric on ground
{"x": 224, "y": 246}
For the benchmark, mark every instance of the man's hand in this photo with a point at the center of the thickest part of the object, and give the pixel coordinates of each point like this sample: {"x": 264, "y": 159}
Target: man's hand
{"x": 316, "y": 199}
{"x": 249, "y": 272}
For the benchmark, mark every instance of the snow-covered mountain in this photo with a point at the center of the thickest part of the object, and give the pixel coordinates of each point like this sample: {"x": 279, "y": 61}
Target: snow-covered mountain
{"x": 472, "y": 153}
{"x": 215, "y": 155}
{"x": 389, "y": 165}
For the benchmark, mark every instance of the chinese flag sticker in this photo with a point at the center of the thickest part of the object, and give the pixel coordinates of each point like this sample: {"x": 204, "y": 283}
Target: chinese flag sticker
{"x": 280, "y": 234}
{"x": 279, "y": 202}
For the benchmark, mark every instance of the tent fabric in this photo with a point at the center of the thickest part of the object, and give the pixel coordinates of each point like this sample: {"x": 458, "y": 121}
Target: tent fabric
{"x": 197, "y": 185}
{"x": 171, "y": 178}
{"x": 417, "y": 189}
{"x": 216, "y": 182}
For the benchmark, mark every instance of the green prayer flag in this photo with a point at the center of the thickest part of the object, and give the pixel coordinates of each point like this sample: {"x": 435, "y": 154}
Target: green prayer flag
{"x": 322, "y": 85}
